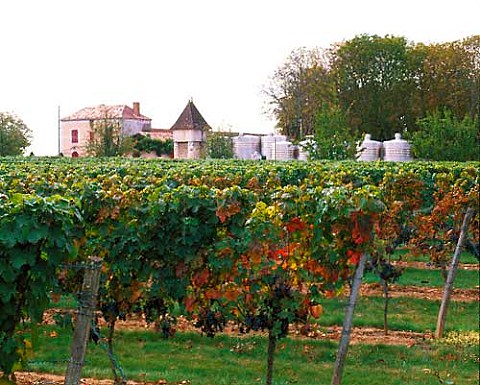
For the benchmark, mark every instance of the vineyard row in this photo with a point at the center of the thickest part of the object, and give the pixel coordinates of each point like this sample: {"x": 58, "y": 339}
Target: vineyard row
{"x": 257, "y": 243}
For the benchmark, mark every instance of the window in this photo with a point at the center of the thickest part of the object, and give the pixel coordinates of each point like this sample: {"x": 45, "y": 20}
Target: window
{"x": 91, "y": 136}
{"x": 74, "y": 154}
{"x": 74, "y": 136}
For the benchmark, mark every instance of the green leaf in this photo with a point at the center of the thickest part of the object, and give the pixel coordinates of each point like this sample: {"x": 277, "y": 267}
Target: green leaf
{"x": 7, "y": 291}
{"x": 7, "y": 274}
{"x": 8, "y": 234}
{"x": 22, "y": 257}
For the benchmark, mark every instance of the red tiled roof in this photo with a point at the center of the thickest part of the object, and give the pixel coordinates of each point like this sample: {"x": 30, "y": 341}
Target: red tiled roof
{"x": 103, "y": 111}
{"x": 159, "y": 133}
{"x": 190, "y": 119}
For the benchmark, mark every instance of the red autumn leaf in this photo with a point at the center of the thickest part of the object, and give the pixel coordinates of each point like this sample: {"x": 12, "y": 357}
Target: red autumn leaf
{"x": 316, "y": 311}
{"x": 223, "y": 213}
{"x": 212, "y": 294}
{"x": 231, "y": 295}
{"x": 330, "y": 294}
{"x": 315, "y": 267}
{"x": 189, "y": 303}
{"x": 225, "y": 252}
{"x": 362, "y": 226}
{"x": 295, "y": 224}
{"x": 201, "y": 278}
{"x": 354, "y": 256}
{"x": 278, "y": 253}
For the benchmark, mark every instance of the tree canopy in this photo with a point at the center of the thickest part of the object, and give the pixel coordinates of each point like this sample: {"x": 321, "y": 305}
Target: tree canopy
{"x": 299, "y": 89}
{"x": 14, "y": 135}
{"x": 445, "y": 137}
{"x": 219, "y": 145}
{"x": 381, "y": 85}
{"x": 373, "y": 83}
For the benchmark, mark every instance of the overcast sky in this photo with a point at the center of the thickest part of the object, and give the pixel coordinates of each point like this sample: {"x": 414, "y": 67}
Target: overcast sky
{"x": 221, "y": 53}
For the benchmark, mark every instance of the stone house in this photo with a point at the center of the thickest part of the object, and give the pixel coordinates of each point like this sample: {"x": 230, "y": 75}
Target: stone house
{"x": 188, "y": 133}
{"x": 76, "y": 130}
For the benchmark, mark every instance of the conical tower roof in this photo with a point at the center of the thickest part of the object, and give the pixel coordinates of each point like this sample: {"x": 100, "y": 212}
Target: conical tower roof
{"x": 190, "y": 119}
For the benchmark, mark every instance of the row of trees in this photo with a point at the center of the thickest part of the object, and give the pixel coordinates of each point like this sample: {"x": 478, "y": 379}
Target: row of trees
{"x": 374, "y": 84}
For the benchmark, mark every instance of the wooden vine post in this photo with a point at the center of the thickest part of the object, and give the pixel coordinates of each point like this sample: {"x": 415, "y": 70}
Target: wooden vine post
{"x": 347, "y": 323}
{"x": 442, "y": 314}
{"x": 85, "y": 316}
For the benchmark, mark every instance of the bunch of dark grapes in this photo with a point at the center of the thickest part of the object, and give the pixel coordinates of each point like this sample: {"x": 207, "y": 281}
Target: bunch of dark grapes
{"x": 156, "y": 311}
{"x": 210, "y": 322}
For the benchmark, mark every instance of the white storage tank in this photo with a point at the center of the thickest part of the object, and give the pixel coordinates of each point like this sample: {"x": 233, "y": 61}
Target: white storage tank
{"x": 369, "y": 150}
{"x": 269, "y": 142}
{"x": 283, "y": 150}
{"x": 246, "y": 146}
{"x": 397, "y": 150}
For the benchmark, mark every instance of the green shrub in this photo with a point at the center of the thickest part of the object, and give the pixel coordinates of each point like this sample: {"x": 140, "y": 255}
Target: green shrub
{"x": 444, "y": 137}
{"x": 219, "y": 146}
{"x": 147, "y": 144}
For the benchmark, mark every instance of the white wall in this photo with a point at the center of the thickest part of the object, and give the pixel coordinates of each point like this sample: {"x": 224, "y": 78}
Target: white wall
{"x": 188, "y": 136}
{"x": 132, "y": 127}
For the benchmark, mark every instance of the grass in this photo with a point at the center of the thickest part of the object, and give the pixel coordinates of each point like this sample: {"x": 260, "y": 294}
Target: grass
{"x": 240, "y": 360}
{"x": 464, "y": 279}
{"x": 404, "y": 255}
{"x": 412, "y": 314}
{"x": 146, "y": 356}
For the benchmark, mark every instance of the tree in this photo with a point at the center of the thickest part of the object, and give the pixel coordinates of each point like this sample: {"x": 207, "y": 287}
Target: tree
{"x": 219, "y": 145}
{"x": 447, "y": 76}
{"x": 333, "y": 138}
{"x": 298, "y": 89}
{"x": 471, "y": 46}
{"x": 14, "y": 135}
{"x": 107, "y": 139}
{"x": 372, "y": 75}
{"x": 442, "y": 136}
{"x": 382, "y": 84}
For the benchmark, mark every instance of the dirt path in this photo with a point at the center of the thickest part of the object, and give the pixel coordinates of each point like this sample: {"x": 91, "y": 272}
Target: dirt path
{"x": 31, "y": 378}
{"x": 376, "y": 336}
{"x": 429, "y": 293}
{"x": 430, "y": 266}
{"x": 358, "y": 335}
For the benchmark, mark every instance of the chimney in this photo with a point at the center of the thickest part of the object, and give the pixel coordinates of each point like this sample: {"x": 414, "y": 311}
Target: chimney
{"x": 136, "y": 108}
